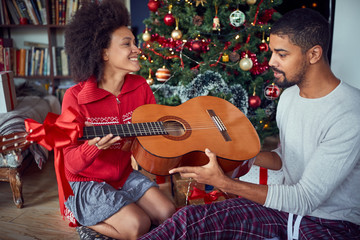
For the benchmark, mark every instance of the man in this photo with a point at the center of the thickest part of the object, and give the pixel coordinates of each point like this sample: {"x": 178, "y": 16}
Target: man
{"x": 318, "y": 119}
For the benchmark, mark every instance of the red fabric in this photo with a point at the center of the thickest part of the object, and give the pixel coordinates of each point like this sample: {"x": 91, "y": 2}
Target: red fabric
{"x": 208, "y": 197}
{"x": 100, "y": 107}
{"x": 83, "y": 102}
{"x": 55, "y": 133}
{"x": 11, "y": 96}
{"x": 263, "y": 176}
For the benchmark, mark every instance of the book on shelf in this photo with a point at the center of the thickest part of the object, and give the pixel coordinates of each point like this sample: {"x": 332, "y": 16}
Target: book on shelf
{"x": 5, "y": 12}
{"x": 36, "y": 10}
{"x": 42, "y": 11}
{"x": 22, "y": 9}
{"x": 22, "y": 61}
{"x": 31, "y": 12}
{"x": 15, "y": 17}
{"x": 5, "y": 54}
{"x": 64, "y": 63}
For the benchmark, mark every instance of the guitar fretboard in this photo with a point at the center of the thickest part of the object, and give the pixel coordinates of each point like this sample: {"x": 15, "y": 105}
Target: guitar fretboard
{"x": 125, "y": 130}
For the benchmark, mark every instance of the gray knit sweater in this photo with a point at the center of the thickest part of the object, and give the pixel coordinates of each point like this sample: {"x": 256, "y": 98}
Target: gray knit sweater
{"x": 320, "y": 151}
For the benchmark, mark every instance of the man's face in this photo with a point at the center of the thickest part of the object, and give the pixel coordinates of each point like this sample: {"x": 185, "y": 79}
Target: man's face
{"x": 287, "y": 62}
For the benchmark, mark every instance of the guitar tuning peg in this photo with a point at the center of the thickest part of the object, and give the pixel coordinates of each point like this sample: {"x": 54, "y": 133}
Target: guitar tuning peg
{"x": 3, "y": 147}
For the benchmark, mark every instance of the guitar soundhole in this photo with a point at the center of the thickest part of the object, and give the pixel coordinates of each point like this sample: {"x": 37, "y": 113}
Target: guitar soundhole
{"x": 174, "y": 128}
{"x": 178, "y": 128}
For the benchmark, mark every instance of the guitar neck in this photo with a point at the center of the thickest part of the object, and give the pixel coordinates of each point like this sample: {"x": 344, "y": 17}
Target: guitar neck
{"x": 125, "y": 130}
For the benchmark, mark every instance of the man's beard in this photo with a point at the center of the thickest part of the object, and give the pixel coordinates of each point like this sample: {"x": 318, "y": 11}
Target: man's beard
{"x": 298, "y": 79}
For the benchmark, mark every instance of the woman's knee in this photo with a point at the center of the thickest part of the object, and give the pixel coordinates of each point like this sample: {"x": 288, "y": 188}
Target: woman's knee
{"x": 136, "y": 226}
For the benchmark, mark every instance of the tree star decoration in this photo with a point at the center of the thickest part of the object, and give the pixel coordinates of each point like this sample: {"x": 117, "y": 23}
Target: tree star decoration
{"x": 198, "y": 2}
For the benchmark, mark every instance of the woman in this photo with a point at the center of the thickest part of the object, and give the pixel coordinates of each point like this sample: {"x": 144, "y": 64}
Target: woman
{"x": 109, "y": 196}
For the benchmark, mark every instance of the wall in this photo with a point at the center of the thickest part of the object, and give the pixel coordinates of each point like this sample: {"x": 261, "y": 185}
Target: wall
{"x": 346, "y": 47}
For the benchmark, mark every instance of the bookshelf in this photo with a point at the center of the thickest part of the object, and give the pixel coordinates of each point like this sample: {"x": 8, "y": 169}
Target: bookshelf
{"x": 45, "y": 35}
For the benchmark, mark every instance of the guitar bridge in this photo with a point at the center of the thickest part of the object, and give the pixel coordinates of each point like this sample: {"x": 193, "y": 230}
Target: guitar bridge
{"x": 220, "y": 125}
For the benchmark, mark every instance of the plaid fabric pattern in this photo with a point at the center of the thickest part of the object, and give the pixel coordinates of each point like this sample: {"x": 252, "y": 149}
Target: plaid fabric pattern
{"x": 242, "y": 219}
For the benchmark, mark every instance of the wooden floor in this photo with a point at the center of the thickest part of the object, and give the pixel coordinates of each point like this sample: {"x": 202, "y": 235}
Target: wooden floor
{"x": 40, "y": 217}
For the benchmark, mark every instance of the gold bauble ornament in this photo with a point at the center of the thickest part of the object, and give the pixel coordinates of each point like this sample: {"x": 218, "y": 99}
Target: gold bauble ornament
{"x": 163, "y": 74}
{"x": 146, "y": 36}
{"x": 250, "y": 2}
{"x": 150, "y": 81}
{"x": 176, "y": 34}
{"x": 246, "y": 63}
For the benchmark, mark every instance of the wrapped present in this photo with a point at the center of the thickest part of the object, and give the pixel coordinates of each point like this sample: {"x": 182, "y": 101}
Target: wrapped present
{"x": 198, "y": 196}
{"x": 7, "y": 92}
{"x": 259, "y": 175}
{"x": 182, "y": 187}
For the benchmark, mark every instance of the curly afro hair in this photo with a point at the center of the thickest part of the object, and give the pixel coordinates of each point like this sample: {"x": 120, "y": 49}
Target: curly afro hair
{"x": 89, "y": 33}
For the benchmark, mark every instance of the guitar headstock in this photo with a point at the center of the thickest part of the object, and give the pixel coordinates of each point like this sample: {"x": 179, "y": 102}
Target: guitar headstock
{"x": 14, "y": 142}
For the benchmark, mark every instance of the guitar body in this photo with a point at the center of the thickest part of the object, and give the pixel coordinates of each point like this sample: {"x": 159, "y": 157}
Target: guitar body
{"x": 202, "y": 122}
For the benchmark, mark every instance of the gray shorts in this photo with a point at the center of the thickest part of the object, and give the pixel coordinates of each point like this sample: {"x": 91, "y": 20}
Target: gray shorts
{"x": 93, "y": 202}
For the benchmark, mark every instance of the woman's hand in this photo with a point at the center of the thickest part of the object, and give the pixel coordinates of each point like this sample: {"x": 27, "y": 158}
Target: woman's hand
{"x": 104, "y": 142}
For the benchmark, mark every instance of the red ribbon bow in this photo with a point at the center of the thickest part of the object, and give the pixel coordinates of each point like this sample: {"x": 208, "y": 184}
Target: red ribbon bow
{"x": 57, "y": 131}
{"x": 208, "y": 197}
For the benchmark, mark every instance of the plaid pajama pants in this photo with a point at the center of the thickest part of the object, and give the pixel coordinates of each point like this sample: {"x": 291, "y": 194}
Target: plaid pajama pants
{"x": 239, "y": 218}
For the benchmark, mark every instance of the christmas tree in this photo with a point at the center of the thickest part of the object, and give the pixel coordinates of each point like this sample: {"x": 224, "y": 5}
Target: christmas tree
{"x": 212, "y": 47}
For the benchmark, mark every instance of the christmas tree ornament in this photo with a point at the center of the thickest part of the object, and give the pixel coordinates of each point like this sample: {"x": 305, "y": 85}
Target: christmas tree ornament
{"x": 146, "y": 35}
{"x": 250, "y": 2}
{"x": 272, "y": 92}
{"x": 162, "y": 74}
{"x": 176, "y": 34}
{"x": 225, "y": 57}
{"x": 153, "y": 5}
{"x": 254, "y": 101}
{"x": 196, "y": 45}
{"x": 150, "y": 80}
{"x": 263, "y": 47}
{"x": 169, "y": 18}
{"x": 234, "y": 56}
{"x": 216, "y": 21}
{"x": 246, "y": 63}
{"x": 237, "y": 18}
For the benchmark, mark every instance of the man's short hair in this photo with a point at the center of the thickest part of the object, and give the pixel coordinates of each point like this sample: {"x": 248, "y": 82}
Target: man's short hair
{"x": 305, "y": 28}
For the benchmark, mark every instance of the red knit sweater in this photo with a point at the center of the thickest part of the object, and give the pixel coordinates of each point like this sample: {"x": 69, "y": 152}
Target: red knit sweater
{"x": 100, "y": 107}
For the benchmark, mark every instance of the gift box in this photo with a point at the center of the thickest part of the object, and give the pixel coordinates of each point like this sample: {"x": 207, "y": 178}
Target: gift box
{"x": 259, "y": 175}
{"x": 198, "y": 197}
{"x": 7, "y": 92}
{"x": 182, "y": 187}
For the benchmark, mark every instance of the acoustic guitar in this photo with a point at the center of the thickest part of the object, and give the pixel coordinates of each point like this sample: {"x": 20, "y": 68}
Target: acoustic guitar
{"x": 166, "y": 136}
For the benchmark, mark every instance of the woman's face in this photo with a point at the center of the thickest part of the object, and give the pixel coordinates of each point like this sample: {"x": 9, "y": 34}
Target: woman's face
{"x": 122, "y": 54}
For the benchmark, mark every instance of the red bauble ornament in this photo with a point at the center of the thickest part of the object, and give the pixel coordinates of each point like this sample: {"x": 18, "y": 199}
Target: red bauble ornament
{"x": 196, "y": 46}
{"x": 272, "y": 92}
{"x": 153, "y": 5}
{"x": 263, "y": 47}
{"x": 254, "y": 101}
{"x": 169, "y": 19}
{"x": 163, "y": 74}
